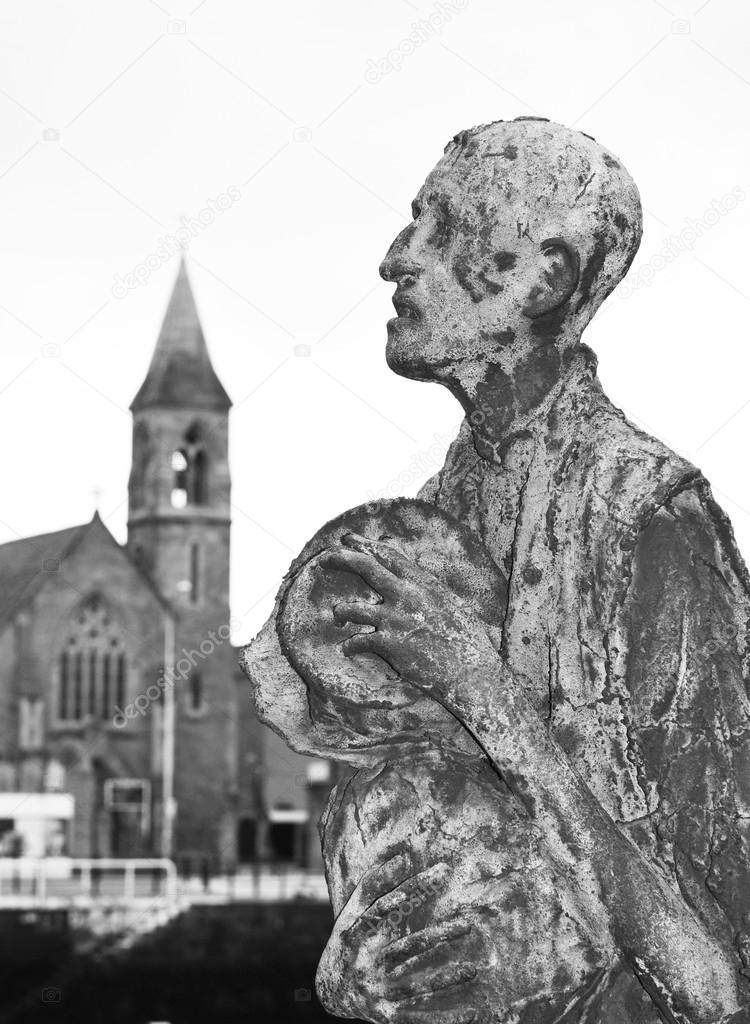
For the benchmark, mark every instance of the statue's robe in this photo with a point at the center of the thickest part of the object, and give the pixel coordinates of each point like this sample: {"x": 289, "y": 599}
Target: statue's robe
{"x": 628, "y": 619}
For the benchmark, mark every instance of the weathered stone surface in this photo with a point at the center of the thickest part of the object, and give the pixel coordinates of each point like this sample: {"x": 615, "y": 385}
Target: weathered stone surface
{"x": 537, "y": 670}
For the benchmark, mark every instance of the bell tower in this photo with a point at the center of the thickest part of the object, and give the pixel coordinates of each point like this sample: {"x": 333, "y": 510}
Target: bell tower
{"x": 178, "y": 533}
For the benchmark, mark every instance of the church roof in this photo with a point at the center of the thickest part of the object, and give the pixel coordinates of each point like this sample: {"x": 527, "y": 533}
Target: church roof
{"x": 27, "y": 564}
{"x": 181, "y": 373}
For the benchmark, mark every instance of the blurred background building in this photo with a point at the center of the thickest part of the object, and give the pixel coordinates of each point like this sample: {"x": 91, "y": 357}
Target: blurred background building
{"x": 126, "y": 727}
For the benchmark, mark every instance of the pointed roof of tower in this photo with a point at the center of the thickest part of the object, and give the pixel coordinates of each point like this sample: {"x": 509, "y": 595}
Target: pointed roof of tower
{"x": 181, "y": 373}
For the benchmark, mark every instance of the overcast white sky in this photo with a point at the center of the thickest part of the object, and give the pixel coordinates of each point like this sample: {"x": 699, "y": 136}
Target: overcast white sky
{"x": 119, "y": 119}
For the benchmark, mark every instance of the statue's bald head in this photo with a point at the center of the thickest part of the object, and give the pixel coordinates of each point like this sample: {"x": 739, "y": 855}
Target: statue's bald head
{"x": 520, "y": 232}
{"x": 555, "y": 183}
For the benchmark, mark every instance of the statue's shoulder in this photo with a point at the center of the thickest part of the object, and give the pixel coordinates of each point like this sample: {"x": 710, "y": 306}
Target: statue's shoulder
{"x": 643, "y": 481}
{"x": 634, "y": 472}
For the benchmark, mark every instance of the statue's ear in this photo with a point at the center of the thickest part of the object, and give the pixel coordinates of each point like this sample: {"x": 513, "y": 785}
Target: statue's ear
{"x": 558, "y": 269}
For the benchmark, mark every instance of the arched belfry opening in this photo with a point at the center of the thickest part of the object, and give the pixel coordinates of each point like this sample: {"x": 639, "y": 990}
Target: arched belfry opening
{"x": 190, "y": 470}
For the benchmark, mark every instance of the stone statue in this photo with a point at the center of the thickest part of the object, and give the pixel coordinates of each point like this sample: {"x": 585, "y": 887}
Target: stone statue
{"x": 537, "y": 670}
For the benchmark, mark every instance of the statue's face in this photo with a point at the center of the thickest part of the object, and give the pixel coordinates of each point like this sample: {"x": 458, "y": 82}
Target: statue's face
{"x": 464, "y": 270}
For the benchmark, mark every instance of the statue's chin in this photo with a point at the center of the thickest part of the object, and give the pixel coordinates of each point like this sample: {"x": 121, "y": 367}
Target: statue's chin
{"x": 406, "y": 351}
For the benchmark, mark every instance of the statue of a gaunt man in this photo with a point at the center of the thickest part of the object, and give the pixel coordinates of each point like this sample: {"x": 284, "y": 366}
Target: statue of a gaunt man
{"x": 538, "y": 670}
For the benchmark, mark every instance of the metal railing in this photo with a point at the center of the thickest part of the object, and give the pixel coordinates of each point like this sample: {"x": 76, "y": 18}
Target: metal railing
{"x": 61, "y": 881}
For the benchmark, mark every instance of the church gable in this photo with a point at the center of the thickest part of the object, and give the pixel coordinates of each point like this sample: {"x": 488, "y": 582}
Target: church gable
{"x": 78, "y": 559}
{"x": 26, "y": 565}
{"x": 91, "y": 636}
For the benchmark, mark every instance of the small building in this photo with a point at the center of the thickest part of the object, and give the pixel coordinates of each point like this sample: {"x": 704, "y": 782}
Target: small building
{"x": 35, "y": 824}
{"x": 119, "y": 685}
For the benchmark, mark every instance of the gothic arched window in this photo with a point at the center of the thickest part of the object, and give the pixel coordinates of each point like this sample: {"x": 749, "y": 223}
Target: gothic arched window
{"x": 190, "y": 470}
{"x": 195, "y": 692}
{"x": 92, "y": 665}
{"x": 195, "y": 567}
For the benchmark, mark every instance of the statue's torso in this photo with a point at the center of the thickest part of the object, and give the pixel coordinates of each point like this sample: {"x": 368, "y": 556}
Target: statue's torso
{"x": 561, "y": 516}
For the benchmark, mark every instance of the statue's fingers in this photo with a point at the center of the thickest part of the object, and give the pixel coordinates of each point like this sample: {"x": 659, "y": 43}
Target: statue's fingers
{"x": 434, "y": 1016}
{"x": 362, "y": 613}
{"x": 398, "y": 978}
{"x": 386, "y": 915}
{"x": 388, "y": 555}
{"x": 401, "y": 950}
{"x": 423, "y": 885}
{"x": 387, "y": 912}
{"x": 384, "y": 877}
{"x": 361, "y": 564}
{"x": 432, "y": 979}
{"x": 363, "y": 643}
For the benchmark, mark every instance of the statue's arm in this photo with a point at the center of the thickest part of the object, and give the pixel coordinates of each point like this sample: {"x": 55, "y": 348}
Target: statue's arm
{"x": 689, "y": 974}
{"x": 687, "y": 617}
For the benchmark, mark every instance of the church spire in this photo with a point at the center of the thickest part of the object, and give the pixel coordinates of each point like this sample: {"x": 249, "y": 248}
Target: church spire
{"x": 181, "y": 373}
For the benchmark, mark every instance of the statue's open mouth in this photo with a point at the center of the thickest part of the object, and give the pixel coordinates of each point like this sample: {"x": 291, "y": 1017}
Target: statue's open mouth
{"x": 406, "y": 309}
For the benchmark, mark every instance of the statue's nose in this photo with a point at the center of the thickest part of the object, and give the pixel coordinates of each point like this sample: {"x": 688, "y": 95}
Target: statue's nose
{"x": 387, "y": 268}
{"x": 399, "y": 261}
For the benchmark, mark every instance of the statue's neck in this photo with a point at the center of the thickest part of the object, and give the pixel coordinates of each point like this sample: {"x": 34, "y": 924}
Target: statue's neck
{"x": 503, "y": 403}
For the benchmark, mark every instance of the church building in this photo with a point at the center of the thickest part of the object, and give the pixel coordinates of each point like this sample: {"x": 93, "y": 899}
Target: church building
{"x": 119, "y": 685}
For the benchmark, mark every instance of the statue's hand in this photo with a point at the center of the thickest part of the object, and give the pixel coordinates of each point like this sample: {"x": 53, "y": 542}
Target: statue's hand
{"x": 383, "y": 966}
{"x": 419, "y": 626}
